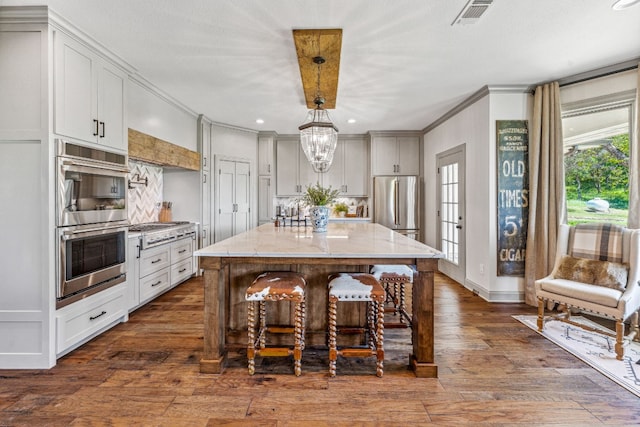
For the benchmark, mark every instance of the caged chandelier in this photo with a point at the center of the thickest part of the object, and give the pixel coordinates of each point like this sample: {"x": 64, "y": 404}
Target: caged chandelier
{"x": 318, "y": 135}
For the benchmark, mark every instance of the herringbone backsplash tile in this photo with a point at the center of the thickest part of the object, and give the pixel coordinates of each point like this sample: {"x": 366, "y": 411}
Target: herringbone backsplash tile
{"x": 144, "y": 202}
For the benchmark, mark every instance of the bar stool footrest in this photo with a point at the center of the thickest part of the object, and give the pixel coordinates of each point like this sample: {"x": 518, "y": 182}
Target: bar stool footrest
{"x": 275, "y": 352}
{"x": 356, "y": 352}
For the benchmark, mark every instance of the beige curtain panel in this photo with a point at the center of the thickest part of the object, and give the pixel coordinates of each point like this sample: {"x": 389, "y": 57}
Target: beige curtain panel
{"x": 634, "y": 165}
{"x": 546, "y": 186}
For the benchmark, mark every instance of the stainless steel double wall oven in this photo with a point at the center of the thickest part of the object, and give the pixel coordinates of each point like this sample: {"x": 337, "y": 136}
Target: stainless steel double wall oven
{"x": 92, "y": 220}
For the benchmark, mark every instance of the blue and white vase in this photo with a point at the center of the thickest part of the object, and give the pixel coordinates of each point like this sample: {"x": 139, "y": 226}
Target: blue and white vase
{"x": 319, "y": 218}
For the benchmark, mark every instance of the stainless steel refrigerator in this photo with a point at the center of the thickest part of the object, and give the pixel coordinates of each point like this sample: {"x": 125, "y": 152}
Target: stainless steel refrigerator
{"x": 395, "y": 204}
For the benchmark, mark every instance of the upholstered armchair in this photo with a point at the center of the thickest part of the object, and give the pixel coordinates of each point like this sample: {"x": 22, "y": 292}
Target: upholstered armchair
{"x": 596, "y": 270}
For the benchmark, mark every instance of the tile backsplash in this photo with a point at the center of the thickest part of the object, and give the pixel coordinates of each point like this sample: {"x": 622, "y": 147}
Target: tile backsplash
{"x": 144, "y": 202}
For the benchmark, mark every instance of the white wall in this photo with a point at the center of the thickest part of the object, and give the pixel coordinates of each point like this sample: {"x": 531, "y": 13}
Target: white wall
{"x": 503, "y": 106}
{"x": 151, "y": 112}
{"x": 471, "y": 128}
{"x": 474, "y": 126}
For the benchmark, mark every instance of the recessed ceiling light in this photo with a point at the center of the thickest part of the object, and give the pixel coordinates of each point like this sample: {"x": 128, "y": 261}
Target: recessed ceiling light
{"x": 351, "y": 121}
{"x": 259, "y": 121}
{"x": 623, "y": 4}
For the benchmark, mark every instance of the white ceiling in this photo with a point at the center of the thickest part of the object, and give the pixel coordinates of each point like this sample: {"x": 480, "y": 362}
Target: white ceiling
{"x": 402, "y": 65}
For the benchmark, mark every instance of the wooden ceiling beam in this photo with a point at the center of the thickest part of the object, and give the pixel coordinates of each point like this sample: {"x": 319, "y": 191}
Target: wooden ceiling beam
{"x": 326, "y": 43}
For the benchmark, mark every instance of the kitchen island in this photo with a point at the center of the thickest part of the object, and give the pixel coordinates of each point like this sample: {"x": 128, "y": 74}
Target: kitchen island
{"x": 231, "y": 265}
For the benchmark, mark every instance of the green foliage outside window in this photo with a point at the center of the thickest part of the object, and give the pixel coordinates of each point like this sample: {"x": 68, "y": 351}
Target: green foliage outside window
{"x": 598, "y": 172}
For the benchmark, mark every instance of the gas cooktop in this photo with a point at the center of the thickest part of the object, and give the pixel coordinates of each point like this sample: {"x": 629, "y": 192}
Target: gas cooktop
{"x": 152, "y": 226}
{"x": 157, "y": 233}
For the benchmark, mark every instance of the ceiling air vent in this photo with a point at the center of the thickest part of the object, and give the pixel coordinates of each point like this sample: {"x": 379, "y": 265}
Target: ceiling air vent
{"x": 472, "y": 11}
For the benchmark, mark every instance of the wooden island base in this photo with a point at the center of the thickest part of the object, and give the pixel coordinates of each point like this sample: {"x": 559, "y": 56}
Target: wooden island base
{"x": 227, "y": 277}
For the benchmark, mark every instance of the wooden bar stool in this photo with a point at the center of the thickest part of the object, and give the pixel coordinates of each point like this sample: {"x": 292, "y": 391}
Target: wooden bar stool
{"x": 394, "y": 277}
{"x": 357, "y": 287}
{"x": 275, "y": 286}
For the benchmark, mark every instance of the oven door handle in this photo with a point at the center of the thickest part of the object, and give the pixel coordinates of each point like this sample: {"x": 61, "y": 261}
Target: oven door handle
{"x": 91, "y": 167}
{"x": 68, "y": 234}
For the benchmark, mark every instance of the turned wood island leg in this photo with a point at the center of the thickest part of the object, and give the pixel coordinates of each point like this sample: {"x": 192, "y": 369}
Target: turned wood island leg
{"x": 212, "y": 361}
{"x": 422, "y": 359}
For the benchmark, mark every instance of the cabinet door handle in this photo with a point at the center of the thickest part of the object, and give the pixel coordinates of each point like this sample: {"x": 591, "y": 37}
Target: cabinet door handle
{"x": 398, "y": 168}
{"x": 269, "y": 168}
{"x": 138, "y": 247}
{"x": 102, "y": 134}
{"x": 204, "y": 179}
{"x": 158, "y": 260}
{"x": 182, "y": 271}
{"x": 204, "y": 162}
{"x": 95, "y": 132}
{"x": 156, "y": 284}
{"x": 99, "y": 315}
{"x": 182, "y": 251}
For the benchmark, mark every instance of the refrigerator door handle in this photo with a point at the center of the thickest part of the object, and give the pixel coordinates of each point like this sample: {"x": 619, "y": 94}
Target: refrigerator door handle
{"x": 396, "y": 203}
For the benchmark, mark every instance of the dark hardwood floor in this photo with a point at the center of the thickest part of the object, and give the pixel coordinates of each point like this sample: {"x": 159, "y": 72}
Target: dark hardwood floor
{"x": 492, "y": 371}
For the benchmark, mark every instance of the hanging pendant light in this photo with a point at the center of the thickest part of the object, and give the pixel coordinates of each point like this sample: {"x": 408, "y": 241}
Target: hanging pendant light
{"x": 318, "y": 135}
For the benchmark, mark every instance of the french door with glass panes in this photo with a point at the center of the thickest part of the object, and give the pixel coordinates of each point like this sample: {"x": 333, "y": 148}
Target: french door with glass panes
{"x": 451, "y": 212}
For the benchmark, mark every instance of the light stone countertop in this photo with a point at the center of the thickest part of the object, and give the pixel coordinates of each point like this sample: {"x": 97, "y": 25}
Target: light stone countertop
{"x": 342, "y": 240}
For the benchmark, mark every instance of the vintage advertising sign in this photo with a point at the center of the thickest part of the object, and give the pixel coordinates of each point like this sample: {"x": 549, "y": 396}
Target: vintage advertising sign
{"x": 512, "y": 142}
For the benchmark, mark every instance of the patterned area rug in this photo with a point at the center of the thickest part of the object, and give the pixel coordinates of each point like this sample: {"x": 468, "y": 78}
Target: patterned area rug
{"x": 595, "y": 349}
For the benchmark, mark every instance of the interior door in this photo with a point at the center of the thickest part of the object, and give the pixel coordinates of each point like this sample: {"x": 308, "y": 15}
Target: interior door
{"x": 241, "y": 197}
{"x": 451, "y": 212}
{"x": 226, "y": 195}
{"x": 233, "y": 197}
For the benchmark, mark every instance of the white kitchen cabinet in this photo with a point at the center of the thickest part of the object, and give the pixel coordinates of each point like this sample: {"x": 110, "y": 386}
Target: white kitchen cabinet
{"x": 84, "y": 319}
{"x": 154, "y": 259}
{"x": 348, "y": 172}
{"x": 153, "y": 271}
{"x": 89, "y": 95}
{"x": 395, "y": 155}
{"x": 133, "y": 272}
{"x": 205, "y": 237}
{"x": 266, "y": 176}
{"x": 204, "y": 145}
{"x": 265, "y": 199}
{"x": 181, "y": 271}
{"x": 294, "y": 172}
{"x": 154, "y": 284}
{"x": 206, "y": 203}
{"x": 182, "y": 261}
{"x": 181, "y": 249}
{"x": 266, "y": 158}
{"x": 233, "y": 198}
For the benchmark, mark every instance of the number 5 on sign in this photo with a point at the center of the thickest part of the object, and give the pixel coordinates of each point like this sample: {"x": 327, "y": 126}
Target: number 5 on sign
{"x": 510, "y": 226}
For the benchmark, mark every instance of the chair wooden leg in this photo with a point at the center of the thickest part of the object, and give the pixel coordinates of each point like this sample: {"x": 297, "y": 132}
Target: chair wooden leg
{"x": 372, "y": 315}
{"x": 333, "y": 348}
{"x": 263, "y": 324}
{"x": 403, "y": 307}
{"x": 619, "y": 339}
{"x": 251, "y": 349}
{"x": 380, "y": 339}
{"x": 541, "y": 304}
{"x": 298, "y": 330}
{"x": 634, "y": 325}
{"x": 304, "y": 322}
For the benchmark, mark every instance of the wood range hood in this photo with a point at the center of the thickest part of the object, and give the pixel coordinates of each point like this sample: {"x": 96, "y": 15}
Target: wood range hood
{"x": 147, "y": 148}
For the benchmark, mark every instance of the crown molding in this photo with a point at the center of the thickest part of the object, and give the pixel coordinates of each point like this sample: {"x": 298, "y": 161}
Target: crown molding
{"x": 475, "y": 97}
